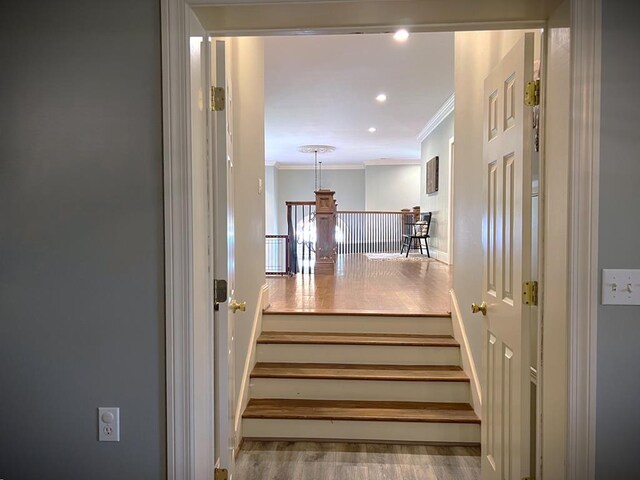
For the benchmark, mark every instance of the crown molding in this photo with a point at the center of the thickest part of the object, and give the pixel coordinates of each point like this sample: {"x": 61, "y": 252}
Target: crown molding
{"x": 346, "y": 166}
{"x": 443, "y": 112}
{"x": 294, "y": 166}
{"x": 391, "y": 162}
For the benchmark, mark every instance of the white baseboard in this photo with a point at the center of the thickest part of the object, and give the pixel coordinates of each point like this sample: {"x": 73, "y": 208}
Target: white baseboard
{"x": 249, "y": 363}
{"x": 468, "y": 363}
{"x": 438, "y": 255}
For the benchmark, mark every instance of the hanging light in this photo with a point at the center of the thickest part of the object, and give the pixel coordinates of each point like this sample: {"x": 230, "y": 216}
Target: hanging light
{"x": 316, "y": 149}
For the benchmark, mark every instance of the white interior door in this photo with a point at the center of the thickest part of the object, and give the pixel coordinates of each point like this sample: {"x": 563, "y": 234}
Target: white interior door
{"x": 507, "y": 251}
{"x": 201, "y": 335}
{"x": 223, "y": 234}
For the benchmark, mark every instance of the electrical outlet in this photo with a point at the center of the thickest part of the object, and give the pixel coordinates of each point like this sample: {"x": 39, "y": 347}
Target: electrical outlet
{"x": 108, "y": 424}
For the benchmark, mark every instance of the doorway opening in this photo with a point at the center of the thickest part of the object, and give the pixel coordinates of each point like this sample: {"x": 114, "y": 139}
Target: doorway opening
{"x": 304, "y": 230}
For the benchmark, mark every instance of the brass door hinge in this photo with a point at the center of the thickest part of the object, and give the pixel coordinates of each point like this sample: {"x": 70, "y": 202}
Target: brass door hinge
{"x": 221, "y": 474}
{"x": 217, "y": 99}
{"x": 530, "y": 293}
{"x": 532, "y": 93}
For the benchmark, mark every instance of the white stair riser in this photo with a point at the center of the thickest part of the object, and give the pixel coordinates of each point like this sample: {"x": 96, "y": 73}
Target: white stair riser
{"x": 383, "y": 390}
{"x": 422, "y": 432}
{"x": 357, "y": 324}
{"x": 358, "y": 354}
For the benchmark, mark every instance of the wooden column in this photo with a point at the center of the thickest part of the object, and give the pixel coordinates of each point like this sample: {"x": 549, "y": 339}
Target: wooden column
{"x": 325, "y": 233}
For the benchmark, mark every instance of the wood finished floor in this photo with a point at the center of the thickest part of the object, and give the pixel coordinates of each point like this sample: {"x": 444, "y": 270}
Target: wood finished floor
{"x": 351, "y": 461}
{"x": 366, "y": 286}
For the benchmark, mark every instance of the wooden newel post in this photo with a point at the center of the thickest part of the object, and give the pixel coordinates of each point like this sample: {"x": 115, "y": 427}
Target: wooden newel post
{"x": 325, "y": 233}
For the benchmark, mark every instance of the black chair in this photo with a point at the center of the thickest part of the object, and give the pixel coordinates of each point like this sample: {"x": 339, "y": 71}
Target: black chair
{"x": 415, "y": 233}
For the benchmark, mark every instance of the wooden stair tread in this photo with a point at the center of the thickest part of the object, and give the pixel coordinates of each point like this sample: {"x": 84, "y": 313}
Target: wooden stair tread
{"x": 323, "y": 338}
{"x": 285, "y": 409}
{"x": 353, "y": 313}
{"x": 448, "y": 373}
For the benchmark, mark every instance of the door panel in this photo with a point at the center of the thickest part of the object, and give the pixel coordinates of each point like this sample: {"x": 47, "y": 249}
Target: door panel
{"x": 507, "y": 247}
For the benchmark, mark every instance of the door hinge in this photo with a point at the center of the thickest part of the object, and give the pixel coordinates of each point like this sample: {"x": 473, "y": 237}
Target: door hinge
{"x": 217, "y": 99}
{"x": 530, "y": 293}
{"x": 221, "y": 474}
{"x": 220, "y": 293}
{"x": 532, "y": 93}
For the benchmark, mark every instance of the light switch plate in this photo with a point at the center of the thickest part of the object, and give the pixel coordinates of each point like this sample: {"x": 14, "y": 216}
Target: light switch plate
{"x": 108, "y": 424}
{"x": 620, "y": 287}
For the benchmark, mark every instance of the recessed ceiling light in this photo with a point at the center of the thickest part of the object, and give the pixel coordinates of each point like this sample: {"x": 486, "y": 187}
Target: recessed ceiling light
{"x": 372, "y": 129}
{"x": 381, "y": 98}
{"x": 401, "y": 35}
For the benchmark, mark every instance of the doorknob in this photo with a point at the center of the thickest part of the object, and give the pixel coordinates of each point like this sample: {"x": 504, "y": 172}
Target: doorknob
{"x": 475, "y": 308}
{"x": 235, "y": 306}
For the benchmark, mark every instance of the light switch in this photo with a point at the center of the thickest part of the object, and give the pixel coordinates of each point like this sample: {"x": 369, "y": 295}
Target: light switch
{"x": 620, "y": 287}
{"x": 109, "y": 424}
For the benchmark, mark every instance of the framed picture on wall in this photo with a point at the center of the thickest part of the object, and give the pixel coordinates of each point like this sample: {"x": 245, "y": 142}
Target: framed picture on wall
{"x": 432, "y": 175}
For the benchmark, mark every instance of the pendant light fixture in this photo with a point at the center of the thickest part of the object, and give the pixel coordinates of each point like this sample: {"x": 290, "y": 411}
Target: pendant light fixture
{"x": 316, "y": 149}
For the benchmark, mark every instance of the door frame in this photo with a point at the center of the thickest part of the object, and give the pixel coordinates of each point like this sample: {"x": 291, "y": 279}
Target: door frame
{"x": 583, "y": 229}
{"x": 450, "y": 226}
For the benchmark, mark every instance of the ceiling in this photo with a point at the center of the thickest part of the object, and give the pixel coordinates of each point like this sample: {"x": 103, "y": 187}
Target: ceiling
{"x": 322, "y": 89}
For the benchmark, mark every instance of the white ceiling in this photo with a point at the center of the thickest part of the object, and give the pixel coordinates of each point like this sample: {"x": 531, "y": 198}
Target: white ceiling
{"x": 322, "y": 89}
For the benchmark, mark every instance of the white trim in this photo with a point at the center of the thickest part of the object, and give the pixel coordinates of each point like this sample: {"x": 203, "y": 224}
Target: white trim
{"x": 439, "y": 255}
{"x": 586, "y": 27}
{"x": 345, "y": 166}
{"x": 249, "y": 363}
{"x": 293, "y": 166}
{"x": 178, "y": 241}
{"x": 443, "y": 112}
{"x": 468, "y": 363}
{"x": 450, "y": 226}
{"x": 390, "y": 162}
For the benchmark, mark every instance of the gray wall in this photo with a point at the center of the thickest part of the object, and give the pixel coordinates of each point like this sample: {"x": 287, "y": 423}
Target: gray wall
{"x": 618, "y": 382}
{"x": 392, "y": 187}
{"x": 81, "y": 239}
{"x": 297, "y": 185}
{"x": 437, "y": 143}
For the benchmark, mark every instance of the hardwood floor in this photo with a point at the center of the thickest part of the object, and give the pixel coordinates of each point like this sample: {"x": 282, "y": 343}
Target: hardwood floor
{"x": 366, "y": 286}
{"x": 355, "y": 461}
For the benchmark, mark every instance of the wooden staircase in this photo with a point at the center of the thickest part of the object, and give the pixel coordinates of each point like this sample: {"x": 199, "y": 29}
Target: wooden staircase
{"x": 359, "y": 378}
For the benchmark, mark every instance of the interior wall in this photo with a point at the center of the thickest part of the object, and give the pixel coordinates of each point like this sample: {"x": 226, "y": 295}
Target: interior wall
{"x": 298, "y": 185}
{"x": 618, "y": 382}
{"x": 392, "y": 187}
{"x": 437, "y": 143}
{"x": 82, "y": 321}
{"x": 271, "y": 200}
{"x": 476, "y": 55}
{"x": 247, "y": 86}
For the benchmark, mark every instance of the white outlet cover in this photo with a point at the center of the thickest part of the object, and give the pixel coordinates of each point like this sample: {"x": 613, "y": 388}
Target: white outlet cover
{"x": 109, "y": 424}
{"x": 620, "y": 287}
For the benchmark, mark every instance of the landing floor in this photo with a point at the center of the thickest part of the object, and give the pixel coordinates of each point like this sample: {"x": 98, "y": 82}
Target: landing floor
{"x": 362, "y": 285}
{"x": 352, "y": 461}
